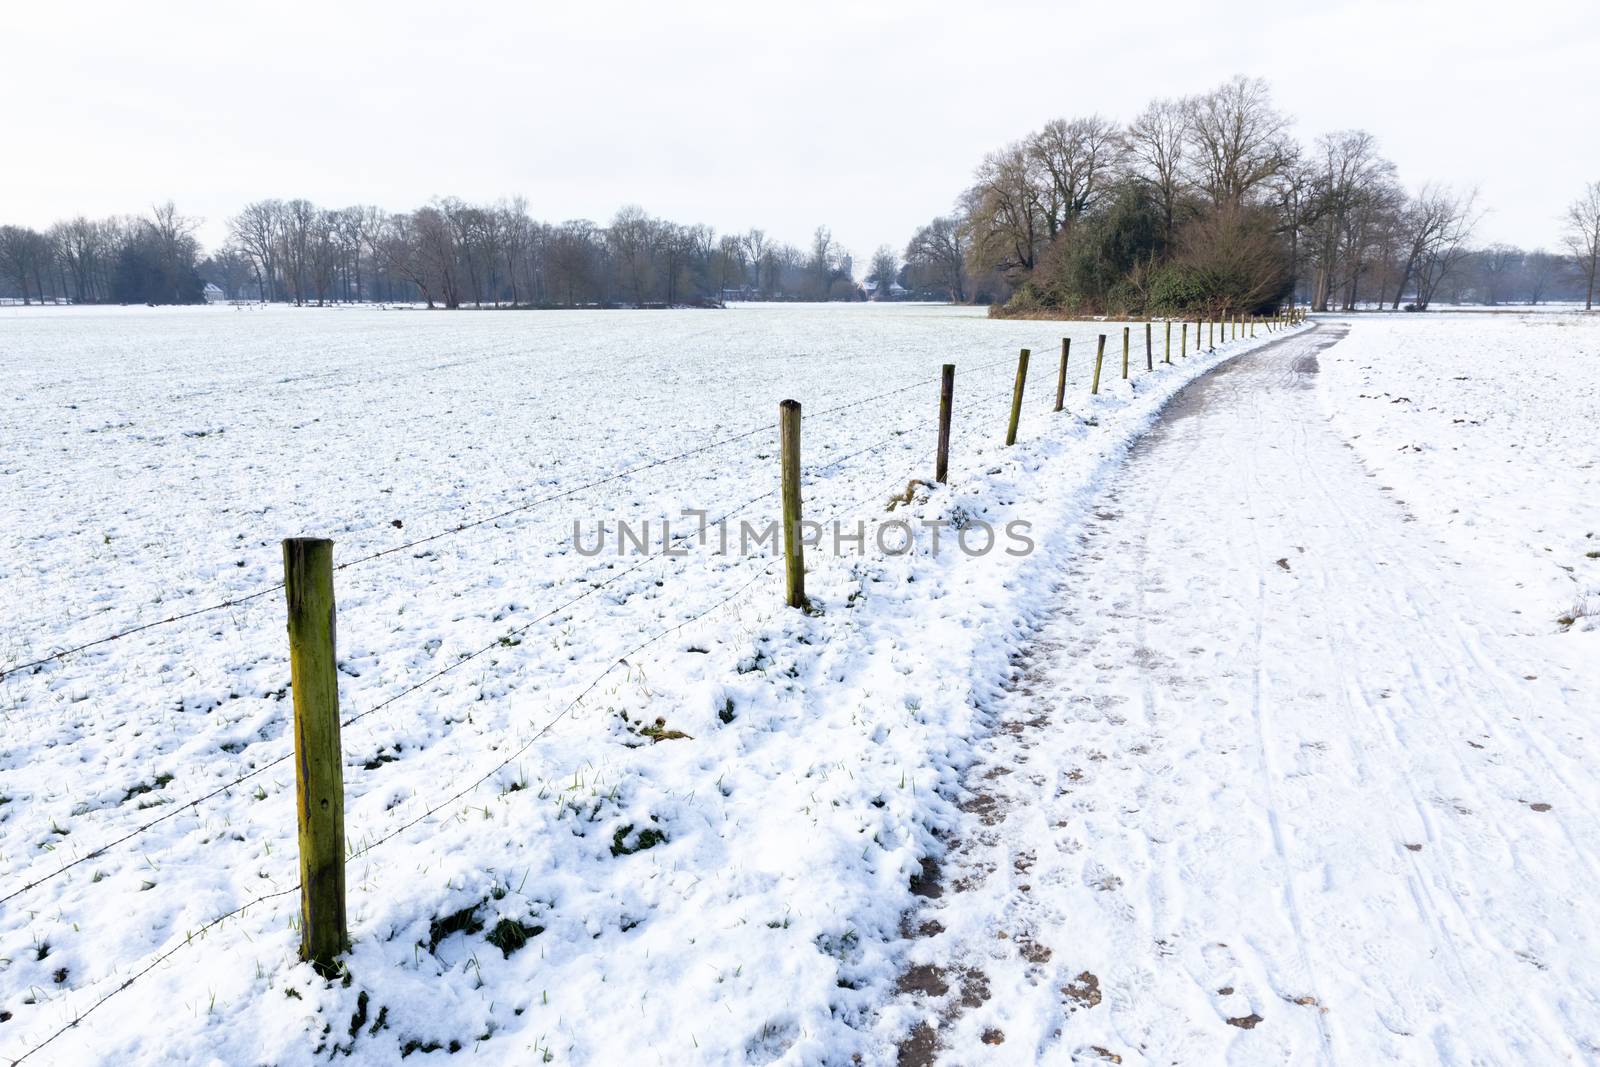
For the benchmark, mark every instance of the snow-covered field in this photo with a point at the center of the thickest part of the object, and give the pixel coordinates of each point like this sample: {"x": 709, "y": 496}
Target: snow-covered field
{"x": 1487, "y": 427}
{"x": 700, "y": 810}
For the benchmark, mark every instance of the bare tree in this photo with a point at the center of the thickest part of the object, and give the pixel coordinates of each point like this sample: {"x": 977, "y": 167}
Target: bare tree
{"x": 1237, "y": 139}
{"x": 1155, "y": 151}
{"x": 728, "y": 263}
{"x": 884, "y": 269}
{"x": 1075, "y": 160}
{"x": 18, "y": 247}
{"x": 1349, "y": 179}
{"x": 632, "y": 239}
{"x": 1539, "y": 270}
{"x": 255, "y": 232}
{"x": 823, "y": 264}
{"x": 1004, "y": 211}
{"x": 938, "y": 251}
{"x": 1582, "y": 238}
{"x": 175, "y": 243}
{"x": 1436, "y": 227}
{"x": 755, "y": 244}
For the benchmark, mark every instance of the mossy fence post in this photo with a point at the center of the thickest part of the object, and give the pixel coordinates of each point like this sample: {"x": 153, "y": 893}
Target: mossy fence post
{"x": 1168, "y": 358}
{"x": 947, "y": 396}
{"x": 1184, "y": 339}
{"x": 1099, "y": 358}
{"x": 1061, "y": 378}
{"x": 1149, "y": 349}
{"x": 794, "y": 561}
{"x": 1016, "y": 398}
{"x": 318, "y": 759}
{"x": 1125, "y": 330}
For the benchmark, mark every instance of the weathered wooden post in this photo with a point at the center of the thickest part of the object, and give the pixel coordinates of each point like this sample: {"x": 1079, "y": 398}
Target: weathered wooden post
{"x": 1016, "y": 398}
{"x": 794, "y": 561}
{"x": 1184, "y": 342}
{"x": 1061, "y": 379}
{"x": 1168, "y": 358}
{"x": 947, "y": 396}
{"x": 1211, "y": 335}
{"x": 1149, "y": 350}
{"x": 1099, "y": 358}
{"x": 1125, "y": 353}
{"x": 318, "y": 759}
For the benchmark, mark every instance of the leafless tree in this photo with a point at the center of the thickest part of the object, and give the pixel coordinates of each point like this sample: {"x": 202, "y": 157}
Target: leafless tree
{"x": 883, "y": 270}
{"x": 1155, "y": 153}
{"x": 1074, "y": 161}
{"x": 1236, "y": 140}
{"x": 1005, "y": 213}
{"x": 755, "y": 245}
{"x": 729, "y": 262}
{"x": 938, "y": 252}
{"x": 18, "y": 248}
{"x": 1582, "y": 238}
{"x": 632, "y": 239}
{"x": 1539, "y": 270}
{"x": 1436, "y": 226}
{"x": 174, "y": 238}
{"x": 1349, "y": 183}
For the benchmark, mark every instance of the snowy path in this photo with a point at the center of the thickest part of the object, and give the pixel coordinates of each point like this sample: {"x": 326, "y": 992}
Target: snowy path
{"x": 1274, "y": 785}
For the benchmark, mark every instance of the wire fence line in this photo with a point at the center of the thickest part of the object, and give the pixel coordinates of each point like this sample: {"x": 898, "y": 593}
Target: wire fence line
{"x": 459, "y": 528}
{"x": 622, "y": 659}
{"x": 366, "y": 848}
{"x": 498, "y": 642}
{"x": 1037, "y": 369}
{"x": 501, "y": 639}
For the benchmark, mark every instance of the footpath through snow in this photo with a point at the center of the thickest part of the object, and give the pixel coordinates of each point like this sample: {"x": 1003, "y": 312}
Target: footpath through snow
{"x": 1276, "y": 782}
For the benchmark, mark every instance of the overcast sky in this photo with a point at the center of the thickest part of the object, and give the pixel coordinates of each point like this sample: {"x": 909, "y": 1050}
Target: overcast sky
{"x": 866, "y": 117}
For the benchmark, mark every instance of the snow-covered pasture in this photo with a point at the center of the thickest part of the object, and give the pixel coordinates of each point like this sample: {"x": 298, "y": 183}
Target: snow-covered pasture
{"x": 1487, "y": 426}
{"x": 708, "y": 853}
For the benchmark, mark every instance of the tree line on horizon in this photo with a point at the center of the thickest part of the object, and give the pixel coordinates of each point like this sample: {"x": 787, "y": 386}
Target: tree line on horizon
{"x": 448, "y": 254}
{"x": 1209, "y": 203}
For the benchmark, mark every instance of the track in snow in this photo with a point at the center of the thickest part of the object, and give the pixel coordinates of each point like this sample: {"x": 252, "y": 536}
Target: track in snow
{"x": 1271, "y": 787}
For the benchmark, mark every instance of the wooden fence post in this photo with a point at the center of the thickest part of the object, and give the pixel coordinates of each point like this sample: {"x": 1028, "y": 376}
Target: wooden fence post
{"x": 1125, "y": 352}
{"x": 1211, "y": 336}
{"x": 1016, "y": 398}
{"x": 947, "y": 396}
{"x": 1061, "y": 379}
{"x": 318, "y": 759}
{"x": 794, "y": 560}
{"x": 1149, "y": 350}
{"x": 1184, "y": 339}
{"x": 1099, "y": 358}
{"x": 1168, "y": 358}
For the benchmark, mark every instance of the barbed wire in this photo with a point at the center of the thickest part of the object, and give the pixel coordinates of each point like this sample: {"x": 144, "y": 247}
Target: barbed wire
{"x": 153, "y": 964}
{"x": 233, "y": 602}
{"x": 621, "y": 660}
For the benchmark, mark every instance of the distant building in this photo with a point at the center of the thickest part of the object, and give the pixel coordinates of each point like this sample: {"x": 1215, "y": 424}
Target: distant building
{"x": 214, "y": 294}
{"x": 896, "y": 291}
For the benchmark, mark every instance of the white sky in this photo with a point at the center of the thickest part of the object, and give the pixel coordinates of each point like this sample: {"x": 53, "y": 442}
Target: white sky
{"x": 868, "y": 117}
